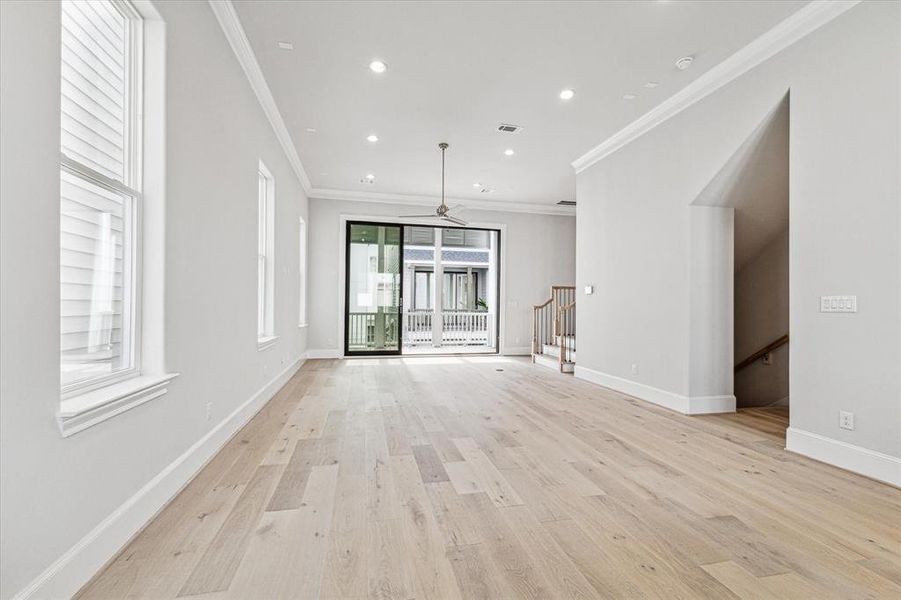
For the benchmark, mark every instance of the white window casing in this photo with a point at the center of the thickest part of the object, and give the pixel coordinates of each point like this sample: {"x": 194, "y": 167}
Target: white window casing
{"x": 265, "y": 258}
{"x": 302, "y": 265}
{"x": 102, "y": 207}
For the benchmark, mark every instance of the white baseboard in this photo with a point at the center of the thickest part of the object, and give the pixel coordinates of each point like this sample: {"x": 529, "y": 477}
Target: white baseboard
{"x": 74, "y": 569}
{"x": 869, "y": 463}
{"x": 323, "y": 353}
{"x": 688, "y": 405}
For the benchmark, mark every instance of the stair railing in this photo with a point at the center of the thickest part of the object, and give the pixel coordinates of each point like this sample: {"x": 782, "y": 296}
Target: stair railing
{"x": 542, "y": 326}
{"x": 566, "y": 328}
{"x": 547, "y": 326}
{"x": 561, "y": 295}
{"x": 761, "y": 353}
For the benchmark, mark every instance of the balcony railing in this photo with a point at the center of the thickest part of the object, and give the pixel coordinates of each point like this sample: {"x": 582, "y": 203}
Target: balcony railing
{"x": 459, "y": 328}
{"x": 370, "y": 331}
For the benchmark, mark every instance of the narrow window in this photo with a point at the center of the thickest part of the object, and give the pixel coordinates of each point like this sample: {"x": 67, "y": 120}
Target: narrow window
{"x": 100, "y": 193}
{"x": 265, "y": 267}
{"x": 302, "y": 262}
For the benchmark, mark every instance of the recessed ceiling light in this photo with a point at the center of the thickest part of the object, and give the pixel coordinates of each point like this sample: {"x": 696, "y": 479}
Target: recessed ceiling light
{"x": 651, "y": 84}
{"x": 372, "y": 138}
{"x": 310, "y": 130}
{"x": 629, "y": 96}
{"x": 378, "y": 66}
{"x": 477, "y": 184}
{"x": 567, "y": 94}
{"x": 286, "y": 45}
{"x": 684, "y": 62}
{"x": 509, "y": 152}
{"x": 370, "y": 176}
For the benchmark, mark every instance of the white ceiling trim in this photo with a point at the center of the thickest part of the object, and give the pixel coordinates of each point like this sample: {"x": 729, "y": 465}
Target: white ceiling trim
{"x": 234, "y": 33}
{"x": 803, "y": 22}
{"x": 434, "y": 201}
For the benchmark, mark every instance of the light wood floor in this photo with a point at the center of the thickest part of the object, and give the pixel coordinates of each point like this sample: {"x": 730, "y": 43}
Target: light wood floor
{"x": 771, "y": 420}
{"x": 491, "y": 478}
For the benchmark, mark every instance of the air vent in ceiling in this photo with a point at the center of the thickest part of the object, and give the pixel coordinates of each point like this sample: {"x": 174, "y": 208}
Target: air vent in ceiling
{"x": 567, "y": 203}
{"x": 508, "y": 128}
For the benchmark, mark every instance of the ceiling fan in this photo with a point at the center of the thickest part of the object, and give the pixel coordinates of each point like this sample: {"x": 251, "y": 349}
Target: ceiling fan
{"x": 442, "y": 212}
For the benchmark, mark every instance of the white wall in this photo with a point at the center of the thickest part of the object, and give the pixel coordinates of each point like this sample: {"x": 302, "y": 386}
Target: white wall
{"x": 539, "y": 250}
{"x": 761, "y": 316}
{"x": 634, "y": 234}
{"x": 54, "y": 491}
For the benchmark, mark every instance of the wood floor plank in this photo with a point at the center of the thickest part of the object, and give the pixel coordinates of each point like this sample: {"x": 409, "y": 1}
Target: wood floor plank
{"x": 433, "y": 574}
{"x": 742, "y": 583}
{"x": 216, "y": 568}
{"x": 476, "y": 576}
{"x": 490, "y": 478}
{"x": 383, "y": 478}
{"x": 564, "y": 578}
{"x": 463, "y": 477}
{"x": 289, "y": 492}
{"x": 444, "y": 446}
{"x": 430, "y": 466}
{"x": 286, "y": 554}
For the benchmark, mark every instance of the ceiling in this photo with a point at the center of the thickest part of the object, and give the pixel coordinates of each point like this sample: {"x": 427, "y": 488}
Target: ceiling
{"x": 456, "y": 70}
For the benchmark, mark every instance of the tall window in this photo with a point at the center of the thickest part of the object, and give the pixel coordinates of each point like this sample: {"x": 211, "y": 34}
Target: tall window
{"x": 100, "y": 193}
{"x": 265, "y": 246}
{"x": 302, "y": 261}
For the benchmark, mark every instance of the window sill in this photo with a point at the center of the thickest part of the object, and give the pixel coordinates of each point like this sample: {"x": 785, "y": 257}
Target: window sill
{"x": 86, "y": 410}
{"x": 266, "y": 342}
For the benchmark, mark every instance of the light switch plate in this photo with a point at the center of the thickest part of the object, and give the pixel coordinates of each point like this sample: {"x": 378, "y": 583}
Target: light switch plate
{"x": 589, "y": 290}
{"x": 846, "y": 304}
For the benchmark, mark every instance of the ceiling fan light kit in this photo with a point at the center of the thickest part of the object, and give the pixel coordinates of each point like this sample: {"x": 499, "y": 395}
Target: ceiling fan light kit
{"x": 442, "y": 212}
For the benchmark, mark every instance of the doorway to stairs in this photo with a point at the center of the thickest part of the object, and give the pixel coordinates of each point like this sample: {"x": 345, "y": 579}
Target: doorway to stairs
{"x": 421, "y": 290}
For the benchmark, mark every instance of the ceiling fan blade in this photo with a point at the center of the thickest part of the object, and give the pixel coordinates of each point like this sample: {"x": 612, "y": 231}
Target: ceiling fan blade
{"x": 431, "y": 216}
{"x": 454, "y": 220}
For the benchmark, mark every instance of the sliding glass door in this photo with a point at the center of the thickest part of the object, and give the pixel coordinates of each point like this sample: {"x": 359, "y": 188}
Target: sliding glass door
{"x": 374, "y": 280}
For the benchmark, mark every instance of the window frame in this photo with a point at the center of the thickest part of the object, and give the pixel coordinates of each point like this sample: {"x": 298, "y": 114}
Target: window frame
{"x": 302, "y": 273}
{"x": 265, "y": 250}
{"x": 130, "y": 186}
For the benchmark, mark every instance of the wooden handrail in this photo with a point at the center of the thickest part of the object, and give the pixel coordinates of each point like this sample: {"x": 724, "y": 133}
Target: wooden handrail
{"x": 566, "y": 306}
{"x": 537, "y": 306}
{"x": 760, "y": 353}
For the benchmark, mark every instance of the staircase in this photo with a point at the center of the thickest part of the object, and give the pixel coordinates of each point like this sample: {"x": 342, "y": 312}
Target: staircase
{"x": 554, "y": 330}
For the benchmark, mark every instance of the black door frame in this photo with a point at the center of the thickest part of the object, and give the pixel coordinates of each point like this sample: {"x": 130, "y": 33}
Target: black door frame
{"x": 400, "y": 308}
{"x": 400, "y": 297}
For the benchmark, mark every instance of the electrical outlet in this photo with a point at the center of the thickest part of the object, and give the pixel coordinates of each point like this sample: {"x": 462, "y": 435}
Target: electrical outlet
{"x": 634, "y": 369}
{"x": 209, "y": 411}
{"x": 846, "y": 420}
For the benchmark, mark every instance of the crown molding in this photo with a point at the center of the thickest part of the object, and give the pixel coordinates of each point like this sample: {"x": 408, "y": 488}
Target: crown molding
{"x": 234, "y": 33}
{"x": 433, "y": 201}
{"x": 803, "y": 22}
